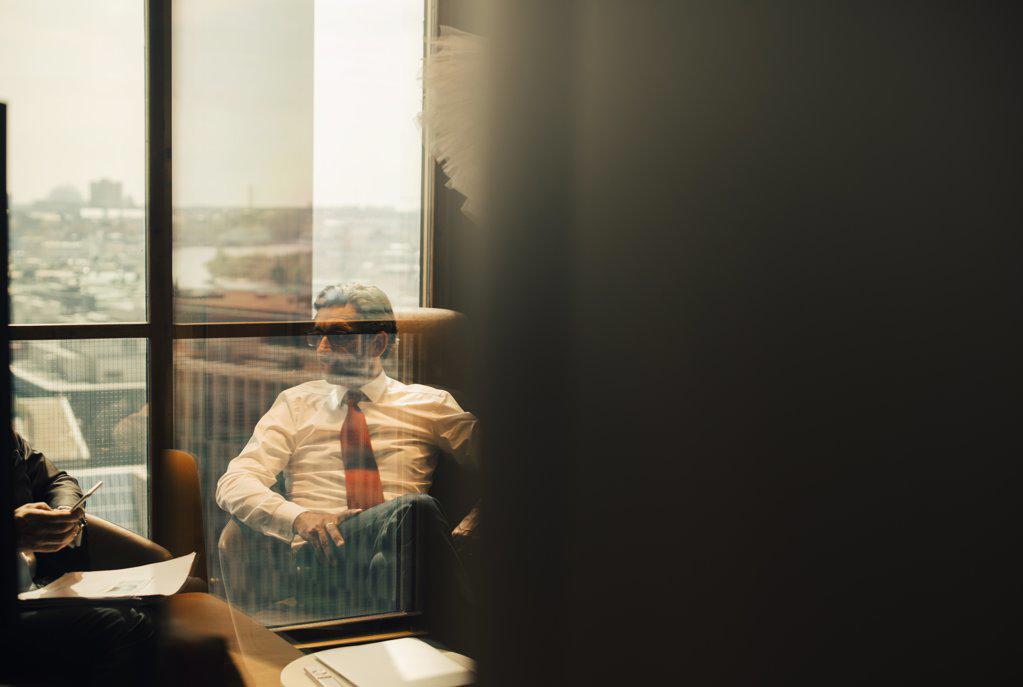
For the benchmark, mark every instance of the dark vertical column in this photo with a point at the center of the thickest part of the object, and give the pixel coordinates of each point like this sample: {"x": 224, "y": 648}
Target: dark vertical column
{"x": 159, "y": 247}
{"x": 8, "y": 582}
{"x": 525, "y": 328}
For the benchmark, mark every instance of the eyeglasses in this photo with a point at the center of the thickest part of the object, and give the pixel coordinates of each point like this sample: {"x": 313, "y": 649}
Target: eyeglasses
{"x": 338, "y": 341}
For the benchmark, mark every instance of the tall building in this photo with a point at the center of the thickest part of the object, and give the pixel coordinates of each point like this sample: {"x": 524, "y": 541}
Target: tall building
{"x": 104, "y": 193}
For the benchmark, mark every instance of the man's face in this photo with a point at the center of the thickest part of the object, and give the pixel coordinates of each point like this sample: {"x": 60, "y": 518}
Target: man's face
{"x": 348, "y": 359}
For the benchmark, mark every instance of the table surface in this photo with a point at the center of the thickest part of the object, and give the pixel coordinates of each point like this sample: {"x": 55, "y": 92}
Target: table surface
{"x": 294, "y": 675}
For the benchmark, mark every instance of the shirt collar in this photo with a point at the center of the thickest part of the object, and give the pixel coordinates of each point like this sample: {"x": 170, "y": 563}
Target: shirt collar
{"x": 374, "y": 390}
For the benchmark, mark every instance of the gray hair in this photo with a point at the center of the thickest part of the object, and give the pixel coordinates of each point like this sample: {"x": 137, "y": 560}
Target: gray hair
{"x": 372, "y": 304}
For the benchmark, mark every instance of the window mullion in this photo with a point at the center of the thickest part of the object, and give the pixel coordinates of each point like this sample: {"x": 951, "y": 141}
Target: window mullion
{"x": 159, "y": 271}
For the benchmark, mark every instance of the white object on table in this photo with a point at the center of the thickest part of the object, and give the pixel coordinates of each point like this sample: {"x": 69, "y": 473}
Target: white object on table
{"x": 397, "y": 662}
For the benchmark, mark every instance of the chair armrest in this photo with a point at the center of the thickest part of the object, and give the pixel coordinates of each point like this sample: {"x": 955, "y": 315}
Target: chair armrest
{"x": 177, "y": 508}
{"x": 194, "y": 584}
{"x": 112, "y": 546}
{"x": 255, "y": 569}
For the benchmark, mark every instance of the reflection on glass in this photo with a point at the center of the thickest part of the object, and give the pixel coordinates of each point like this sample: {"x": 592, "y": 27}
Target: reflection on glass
{"x": 222, "y": 388}
{"x": 242, "y": 113}
{"x": 83, "y": 404}
{"x": 73, "y": 76}
{"x": 324, "y": 182}
{"x": 283, "y": 450}
{"x": 367, "y": 146}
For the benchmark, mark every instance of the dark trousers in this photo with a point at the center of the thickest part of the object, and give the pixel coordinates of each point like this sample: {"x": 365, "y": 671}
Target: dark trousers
{"x": 91, "y": 645}
{"x": 391, "y": 551}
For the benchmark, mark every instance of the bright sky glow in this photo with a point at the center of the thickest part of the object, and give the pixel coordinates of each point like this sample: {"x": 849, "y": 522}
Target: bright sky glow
{"x": 281, "y": 102}
{"x": 72, "y": 75}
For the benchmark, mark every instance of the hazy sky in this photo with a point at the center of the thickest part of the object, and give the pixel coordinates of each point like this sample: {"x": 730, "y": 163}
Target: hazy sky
{"x": 295, "y": 102}
{"x": 72, "y": 75}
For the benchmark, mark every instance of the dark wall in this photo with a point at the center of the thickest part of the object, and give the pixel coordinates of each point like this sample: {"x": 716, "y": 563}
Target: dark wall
{"x": 751, "y": 318}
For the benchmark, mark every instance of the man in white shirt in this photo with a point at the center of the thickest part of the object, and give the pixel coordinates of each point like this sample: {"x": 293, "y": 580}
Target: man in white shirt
{"x": 357, "y": 449}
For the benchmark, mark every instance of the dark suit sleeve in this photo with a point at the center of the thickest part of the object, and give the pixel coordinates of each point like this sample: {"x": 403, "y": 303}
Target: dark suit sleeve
{"x": 54, "y": 487}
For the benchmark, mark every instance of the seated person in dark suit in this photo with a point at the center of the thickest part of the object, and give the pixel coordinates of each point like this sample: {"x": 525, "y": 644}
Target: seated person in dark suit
{"x": 90, "y": 644}
{"x": 358, "y": 450}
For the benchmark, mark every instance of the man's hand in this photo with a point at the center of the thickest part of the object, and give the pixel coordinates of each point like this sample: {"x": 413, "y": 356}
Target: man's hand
{"x": 321, "y": 530}
{"x": 465, "y": 528}
{"x": 42, "y": 529}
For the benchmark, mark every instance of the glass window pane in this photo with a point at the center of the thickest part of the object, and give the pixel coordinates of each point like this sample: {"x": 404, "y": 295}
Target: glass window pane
{"x": 73, "y": 76}
{"x": 297, "y": 158}
{"x": 257, "y": 414}
{"x": 243, "y": 165}
{"x": 83, "y": 404}
{"x": 223, "y": 388}
{"x": 367, "y": 146}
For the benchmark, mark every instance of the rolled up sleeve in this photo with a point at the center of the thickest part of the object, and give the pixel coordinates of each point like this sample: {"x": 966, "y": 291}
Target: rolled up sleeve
{"x": 244, "y": 489}
{"x": 457, "y": 433}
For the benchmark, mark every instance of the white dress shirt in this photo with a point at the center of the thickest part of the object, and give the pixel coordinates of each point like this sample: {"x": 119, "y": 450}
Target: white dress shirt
{"x": 300, "y": 435}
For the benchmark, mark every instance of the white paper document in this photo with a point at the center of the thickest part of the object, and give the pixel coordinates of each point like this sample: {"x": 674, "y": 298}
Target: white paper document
{"x": 406, "y": 662}
{"x": 152, "y": 580}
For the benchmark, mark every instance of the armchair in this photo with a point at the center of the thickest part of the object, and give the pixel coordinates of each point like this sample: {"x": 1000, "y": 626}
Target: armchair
{"x": 112, "y": 546}
{"x": 260, "y": 572}
{"x": 177, "y": 522}
{"x": 197, "y": 621}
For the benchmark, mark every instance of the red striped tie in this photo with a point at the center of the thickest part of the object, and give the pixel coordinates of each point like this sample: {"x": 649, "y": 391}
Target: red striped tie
{"x": 362, "y": 478}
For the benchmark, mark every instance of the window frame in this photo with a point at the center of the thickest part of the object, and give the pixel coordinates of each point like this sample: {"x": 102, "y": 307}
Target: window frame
{"x": 160, "y": 330}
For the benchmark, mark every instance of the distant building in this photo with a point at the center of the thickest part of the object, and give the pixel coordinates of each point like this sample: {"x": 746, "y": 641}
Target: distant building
{"x": 193, "y": 305}
{"x": 51, "y": 426}
{"x": 123, "y": 497}
{"x": 84, "y": 409}
{"x": 62, "y": 200}
{"x": 104, "y": 193}
{"x": 83, "y": 390}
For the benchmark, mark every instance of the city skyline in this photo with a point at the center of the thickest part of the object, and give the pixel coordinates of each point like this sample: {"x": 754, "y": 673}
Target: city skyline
{"x": 83, "y": 195}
